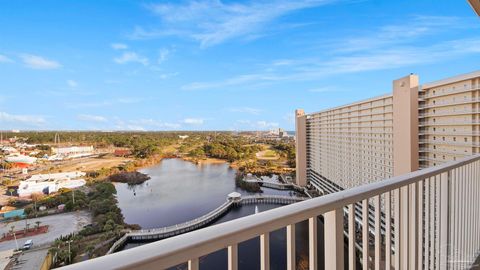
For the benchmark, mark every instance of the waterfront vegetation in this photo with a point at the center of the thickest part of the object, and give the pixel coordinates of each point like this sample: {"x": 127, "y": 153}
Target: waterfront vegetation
{"x": 250, "y": 187}
{"x": 244, "y": 153}
{"x": 107, "y": 221}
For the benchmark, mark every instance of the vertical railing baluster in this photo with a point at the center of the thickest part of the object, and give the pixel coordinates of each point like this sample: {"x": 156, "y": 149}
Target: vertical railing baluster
{"x": 351, "y": 238}
{"x": 334, "y": 243}
{"x": 444, "y": 218}
{"x": 388, "y": 231}
{"x": 437, "y": 221}
{"x": 471, "y": 236}
{"x": 378, "y": 235}
{"x": 291, "y": 262}
{"x": 265, "y": 251}
{"x": 193, "y": 264}
{"x": 365, "y": 235}
{"x": 233, "y": 257}
{"x": 471, "y": 249}
{"x": 432, "y": 223}
{"x": 468, "y": 225}
{"x": 427, "y": 223}
{"x": 312, "y": 243}
{"x": 420, "y": 224}
{"x": 476, "y": 179}
{"x": 397, "y": 227}
{"x": 477, "y": 195}
{"x": 452, "y": 227}
{"x": 462, "y": 217}
{"x": 412, "y": 226}
{"x": 458, "y": 187}
{"x": 404, "y": 226}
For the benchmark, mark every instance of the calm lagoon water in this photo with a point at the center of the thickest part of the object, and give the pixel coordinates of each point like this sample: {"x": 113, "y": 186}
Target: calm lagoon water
{"x": 179, "y": 191}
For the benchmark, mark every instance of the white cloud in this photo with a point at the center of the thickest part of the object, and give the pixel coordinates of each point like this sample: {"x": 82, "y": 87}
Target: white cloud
{"x": 34, "y": 120}
{"x": 265, "y": 124}
{"x": 119, "y": 46}
{"x": 144, "y": 124}
{"x": 323, "y": 89}
{"x": 163, "y": 55}
{"x": 91, "y": 118}
{"x": 256, "y": 125}
{"x": 38, "y": 62}
{"x": 109, "y": 102}
{"x": 72, "y": 83}
{"x": 214, "y": 22}
{"x": 193, "y": 121}
{"x": 248, "y": 110}
{"x": 131, "y": 57}
{"x": 315, "y": 68}
{"x": 5, "y": 59}
{"x": 387, "y": 47}
{"x": 165, "y": 76}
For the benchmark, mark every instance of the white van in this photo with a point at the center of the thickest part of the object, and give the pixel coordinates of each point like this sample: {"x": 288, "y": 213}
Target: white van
{"x": 28, "y": 244}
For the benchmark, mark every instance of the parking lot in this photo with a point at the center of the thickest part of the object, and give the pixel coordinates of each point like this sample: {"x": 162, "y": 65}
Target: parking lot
{"x": 61, "y": 224}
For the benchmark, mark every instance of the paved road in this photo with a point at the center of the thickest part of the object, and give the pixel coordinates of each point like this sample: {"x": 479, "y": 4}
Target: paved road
{"x": 31, "y": 260}
{"x": 61, "y": 224}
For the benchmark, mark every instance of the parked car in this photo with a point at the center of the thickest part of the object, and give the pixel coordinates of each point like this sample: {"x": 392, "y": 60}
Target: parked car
{"x": 28, "y": 244}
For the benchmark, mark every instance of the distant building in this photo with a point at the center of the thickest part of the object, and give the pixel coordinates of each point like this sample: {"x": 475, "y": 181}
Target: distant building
{"x": 122, "y": 152}
{"x": 71, "y": 152}
{"x": 48, "y": 183}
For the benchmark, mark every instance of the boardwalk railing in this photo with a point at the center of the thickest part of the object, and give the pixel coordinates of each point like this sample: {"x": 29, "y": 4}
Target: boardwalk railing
{"x": 432, "y": 221}
{"x": 165, "y": 232}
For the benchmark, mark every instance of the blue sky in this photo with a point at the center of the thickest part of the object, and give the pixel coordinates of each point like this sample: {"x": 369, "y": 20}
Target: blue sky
{"x": 217, "y": 65}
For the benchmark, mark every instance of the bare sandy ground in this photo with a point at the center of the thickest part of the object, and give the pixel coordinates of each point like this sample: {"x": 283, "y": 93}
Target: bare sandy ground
{"x": 88, "y": 164}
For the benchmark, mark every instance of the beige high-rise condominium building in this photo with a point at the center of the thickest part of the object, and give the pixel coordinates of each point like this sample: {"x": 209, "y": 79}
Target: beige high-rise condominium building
{"x": 412, "y": 127}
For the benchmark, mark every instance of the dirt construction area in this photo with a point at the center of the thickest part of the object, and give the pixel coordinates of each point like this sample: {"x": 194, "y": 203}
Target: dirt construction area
{"x": 86, "y": 164}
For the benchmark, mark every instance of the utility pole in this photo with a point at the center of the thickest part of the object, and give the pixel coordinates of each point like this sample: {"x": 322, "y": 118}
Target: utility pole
{"x": 73, "y": 196}
{"x": 15, "y": 237}
{"x": 69, "y": 252}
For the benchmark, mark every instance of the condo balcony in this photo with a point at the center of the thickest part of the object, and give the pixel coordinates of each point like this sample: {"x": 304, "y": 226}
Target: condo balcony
{"x": 427, "y": 219}
{"x": 440, "y": 93}
{"x": 439, "y": 142}
{"x": 450, "y": 133}
{"x": 449, "y": 103}
{"x": 449, "y": 123}
{"x": 448, "y": 113}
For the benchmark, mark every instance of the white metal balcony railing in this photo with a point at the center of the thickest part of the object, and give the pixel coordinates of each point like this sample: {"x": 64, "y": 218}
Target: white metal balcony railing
{"x": 448, "y": 103}
{"x": 434, "y": 224}
{"x": 447, "y": 113}
{"x": 449, "y": 123}
{"x": 449, "y": 92}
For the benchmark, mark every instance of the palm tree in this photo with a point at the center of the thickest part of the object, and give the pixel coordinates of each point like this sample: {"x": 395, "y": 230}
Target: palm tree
{"x": 38, "y": 224}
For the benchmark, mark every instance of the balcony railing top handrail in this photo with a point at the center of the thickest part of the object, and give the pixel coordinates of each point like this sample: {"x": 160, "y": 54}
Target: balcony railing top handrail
{"x": 173, "y": 251}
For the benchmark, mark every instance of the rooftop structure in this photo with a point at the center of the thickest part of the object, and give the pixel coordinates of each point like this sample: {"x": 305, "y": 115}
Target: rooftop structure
{"x": 71, "y": 152}
{"x": 48, "y": 183}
